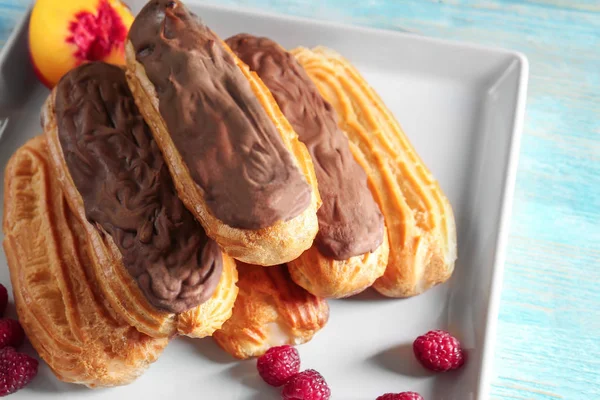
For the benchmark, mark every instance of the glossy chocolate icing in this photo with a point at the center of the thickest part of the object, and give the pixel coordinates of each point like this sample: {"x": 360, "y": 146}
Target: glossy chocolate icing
{"x": 350, "y": 222}
{"x": 127, "y": 190}
{"x": 232, "y": 149}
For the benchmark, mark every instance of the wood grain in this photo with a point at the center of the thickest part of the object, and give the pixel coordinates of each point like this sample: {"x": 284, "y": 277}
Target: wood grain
{"x": 549, "y": 330}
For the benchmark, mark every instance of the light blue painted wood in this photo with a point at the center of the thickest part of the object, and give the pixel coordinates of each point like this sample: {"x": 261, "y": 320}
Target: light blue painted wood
{"x": 549, "y": 332}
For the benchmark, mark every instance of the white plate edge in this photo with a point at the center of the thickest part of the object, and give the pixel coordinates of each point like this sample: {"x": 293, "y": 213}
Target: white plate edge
{"x": 508, "y": 195}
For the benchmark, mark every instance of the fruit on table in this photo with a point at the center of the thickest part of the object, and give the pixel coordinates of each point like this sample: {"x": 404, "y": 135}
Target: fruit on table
{"x": 278, "y": 365}
{"x": 307, "y": 385}
{"x": 16, "y": 370}
{"x": 439, "y": 351}
{"x": 11, "y": 333}
{"x": 66, "y": 33}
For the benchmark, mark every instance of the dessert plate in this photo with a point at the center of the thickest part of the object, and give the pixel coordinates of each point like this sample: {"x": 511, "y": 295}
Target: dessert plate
{"x": 462, "y": 107}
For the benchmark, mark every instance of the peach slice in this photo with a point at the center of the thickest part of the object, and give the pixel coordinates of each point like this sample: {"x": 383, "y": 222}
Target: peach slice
{"x": 66, "y": 33}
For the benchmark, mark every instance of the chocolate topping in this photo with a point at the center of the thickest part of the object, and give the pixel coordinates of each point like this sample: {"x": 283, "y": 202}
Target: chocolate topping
{"x": 232, "y": 149}
{"x": 127, "y": 190}
{"x": 350, "y": 223}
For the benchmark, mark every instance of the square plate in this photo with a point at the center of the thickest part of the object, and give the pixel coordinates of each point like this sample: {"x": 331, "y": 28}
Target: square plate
{"x": 462, "y": 107}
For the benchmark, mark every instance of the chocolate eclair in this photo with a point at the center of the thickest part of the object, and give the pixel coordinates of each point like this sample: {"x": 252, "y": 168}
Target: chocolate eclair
{"x": 153, "y": 260}
{"x": 350, "y": 251}
{"x": 235, "y": 160}
{"x": 418, "y": 215}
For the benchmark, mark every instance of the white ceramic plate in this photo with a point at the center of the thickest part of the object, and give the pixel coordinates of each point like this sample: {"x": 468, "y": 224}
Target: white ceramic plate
{"x": 462, "y": 107}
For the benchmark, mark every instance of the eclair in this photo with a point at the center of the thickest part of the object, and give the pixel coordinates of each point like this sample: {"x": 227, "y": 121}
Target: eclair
{"x": 235, "y": 160}
{"x": 350, "y": 251}
{"x": 271, "y": 310}
{"x": 153, "y": 261}
{"x": 56, "y": 293}
{"x": 419, "y": 218}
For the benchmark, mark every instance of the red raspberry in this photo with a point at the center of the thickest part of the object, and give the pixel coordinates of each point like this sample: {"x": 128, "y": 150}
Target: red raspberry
{"x": 11, "y": 333}
{"x": 16, "y": 370}
{"x": 439, "y": 351}
{"x": 3, "y": 299}
{"x": 278, "y": 365}
{"x": 401, "y": 396}
{"x": 307, "y": 385}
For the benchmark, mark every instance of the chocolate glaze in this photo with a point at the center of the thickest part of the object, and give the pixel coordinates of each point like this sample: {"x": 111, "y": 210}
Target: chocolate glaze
{"x": 350, "y": 222}
{"x": 232, "y": 149}
{"x": 127, "y": 190}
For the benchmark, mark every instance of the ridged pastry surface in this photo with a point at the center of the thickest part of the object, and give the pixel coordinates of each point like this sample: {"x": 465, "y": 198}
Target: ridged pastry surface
{"x": 329, "y": 278}
{"x": 418, "y": 216}
{"x": 58, "y": 299}
{"x": 279, "y": 242}
{"x": 271, "y": 310}
{"x": 204, "y": 320}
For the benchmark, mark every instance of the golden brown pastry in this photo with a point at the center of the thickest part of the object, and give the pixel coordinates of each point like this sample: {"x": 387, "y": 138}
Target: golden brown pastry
{"x": 418, "y": 216}
{"x": 236, "y": 161}
{"x": 351, "y": 250}
{"x": 152, "y": 259}
{"x": 271, "y": 310}
{"x": 56, "y": 293}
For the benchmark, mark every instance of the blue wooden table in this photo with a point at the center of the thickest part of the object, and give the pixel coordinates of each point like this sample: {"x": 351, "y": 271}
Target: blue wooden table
{"x": 549, "y": 332}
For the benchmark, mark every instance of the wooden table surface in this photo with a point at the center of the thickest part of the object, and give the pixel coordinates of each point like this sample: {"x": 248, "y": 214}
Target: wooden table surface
{"x": 548, "y": 344}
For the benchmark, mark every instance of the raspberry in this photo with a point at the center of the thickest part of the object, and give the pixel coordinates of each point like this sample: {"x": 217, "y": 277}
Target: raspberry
{"x": 307, "y": 385}
{"x": 3, "y": 299}
{"x": 11, "y": 333}
{"x": 16, "y": 370}
{"x": 438, "y": 351}
{"x": 401, "y": 396}
{"x": 278, "y": 365}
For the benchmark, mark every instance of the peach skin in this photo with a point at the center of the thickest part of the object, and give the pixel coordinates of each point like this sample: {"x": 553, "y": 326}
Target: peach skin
{"x": 66, "y": 34}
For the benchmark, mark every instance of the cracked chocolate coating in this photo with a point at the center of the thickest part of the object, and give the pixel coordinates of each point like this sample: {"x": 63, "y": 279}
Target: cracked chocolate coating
{"x": 127, "y": 190}
{"x": 230, "y": 146}
{"x": 350, "y": 222}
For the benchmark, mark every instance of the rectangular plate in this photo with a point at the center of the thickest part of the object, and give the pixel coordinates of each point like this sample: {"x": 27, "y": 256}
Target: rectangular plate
{"x": 462, "y": 107}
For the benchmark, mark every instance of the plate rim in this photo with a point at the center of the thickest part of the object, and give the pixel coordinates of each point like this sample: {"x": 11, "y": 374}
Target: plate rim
{"x": 504, "y": 224}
